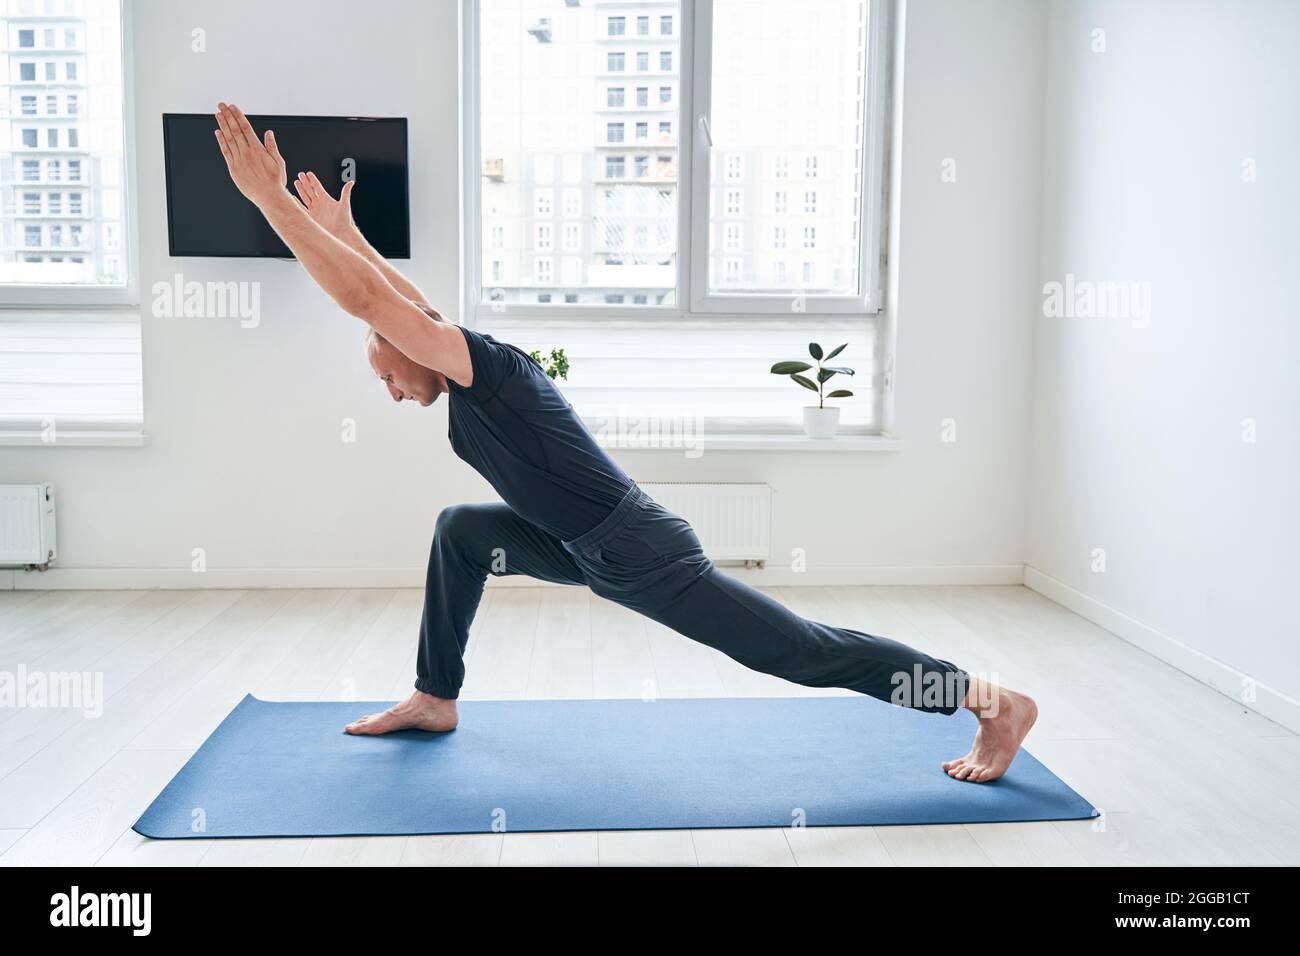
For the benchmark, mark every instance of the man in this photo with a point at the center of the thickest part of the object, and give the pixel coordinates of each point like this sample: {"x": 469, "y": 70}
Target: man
{"x": 569, "y": 513}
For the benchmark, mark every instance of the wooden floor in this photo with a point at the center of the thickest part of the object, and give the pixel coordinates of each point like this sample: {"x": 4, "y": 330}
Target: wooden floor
{"x": 1184, "y": 775}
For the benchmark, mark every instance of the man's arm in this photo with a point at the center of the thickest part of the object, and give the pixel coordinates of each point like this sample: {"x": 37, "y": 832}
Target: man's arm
{"x": 347, "y": 277}
{"x": 335, "y": 217}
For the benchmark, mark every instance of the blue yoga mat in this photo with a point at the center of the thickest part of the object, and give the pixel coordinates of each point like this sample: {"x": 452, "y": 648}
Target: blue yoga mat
{"x": 287, "y": 769}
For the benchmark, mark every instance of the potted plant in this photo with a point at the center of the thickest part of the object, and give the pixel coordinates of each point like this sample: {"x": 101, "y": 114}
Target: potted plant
{"x": 818, "y": 420}
{"x": 557, "y": 366}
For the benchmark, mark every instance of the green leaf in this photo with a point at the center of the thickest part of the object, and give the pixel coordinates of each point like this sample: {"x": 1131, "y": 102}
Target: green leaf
{"x": 804, "y": 382}
{"x": 815, "y": 350}
{"x": 825, "y": 373}
{"x": 840, "y": 393}
{"x": 836, "y": 351}
{"x": 790, "y": 368}
{"x": 842, "y": 371}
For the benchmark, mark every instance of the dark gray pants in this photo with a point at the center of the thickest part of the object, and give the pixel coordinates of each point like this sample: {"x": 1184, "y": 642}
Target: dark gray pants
{"x": 648, "y": 559}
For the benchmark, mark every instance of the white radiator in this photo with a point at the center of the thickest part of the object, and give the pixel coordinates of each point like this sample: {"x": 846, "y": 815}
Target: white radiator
{"x": 733, "y": 520}
{"x": 26, "y": 525}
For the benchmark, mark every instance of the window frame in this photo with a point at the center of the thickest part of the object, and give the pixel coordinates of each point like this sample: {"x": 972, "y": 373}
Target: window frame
{"x": 693, "y": 86}
{"x": 90, "y": 297}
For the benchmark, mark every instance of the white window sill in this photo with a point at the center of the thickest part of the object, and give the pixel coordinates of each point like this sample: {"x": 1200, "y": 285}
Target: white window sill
{"x": 786, "y": 442}
{"x": 71, "y": 438}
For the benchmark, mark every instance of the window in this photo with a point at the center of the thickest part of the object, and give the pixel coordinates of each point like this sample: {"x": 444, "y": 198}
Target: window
{"x": 542, "y": 200}
{"x": 69, "y": 359}
{"x": 782, "y": 96}
{"x": 97, "y": 280}
{"x": 572, "y": 237}
{"x": 818, "y": 68}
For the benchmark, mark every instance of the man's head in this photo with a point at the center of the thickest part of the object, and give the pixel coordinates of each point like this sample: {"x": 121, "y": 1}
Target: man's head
{"x": 404, "y": 379}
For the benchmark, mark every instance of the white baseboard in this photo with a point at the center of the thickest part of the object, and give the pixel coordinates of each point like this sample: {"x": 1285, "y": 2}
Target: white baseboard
{"x": 92, "y": 579}
{"x": 1229, "y": 681}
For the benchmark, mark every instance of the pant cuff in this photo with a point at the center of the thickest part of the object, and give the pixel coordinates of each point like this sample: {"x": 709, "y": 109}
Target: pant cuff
{"x": 444, "y": 691}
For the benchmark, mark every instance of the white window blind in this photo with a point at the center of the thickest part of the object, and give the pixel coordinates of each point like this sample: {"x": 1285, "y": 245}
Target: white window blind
{"x": 716, "y": 374}
{"x": 74, "y": 377}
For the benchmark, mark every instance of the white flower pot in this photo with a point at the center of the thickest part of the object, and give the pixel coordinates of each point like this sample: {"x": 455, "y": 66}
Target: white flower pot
{"x": 821, "y": 422}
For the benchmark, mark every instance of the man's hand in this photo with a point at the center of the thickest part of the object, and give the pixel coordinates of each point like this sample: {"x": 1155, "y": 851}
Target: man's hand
{"x": 333, "y": 215}
{"x": 257, "y": 168}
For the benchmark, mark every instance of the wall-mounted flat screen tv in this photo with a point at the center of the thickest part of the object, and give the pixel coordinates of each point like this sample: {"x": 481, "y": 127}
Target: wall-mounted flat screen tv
{"x": 207, "y": 215}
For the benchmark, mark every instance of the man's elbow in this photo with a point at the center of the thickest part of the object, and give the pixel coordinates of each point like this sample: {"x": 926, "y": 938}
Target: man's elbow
{"x": 361, "y": 300}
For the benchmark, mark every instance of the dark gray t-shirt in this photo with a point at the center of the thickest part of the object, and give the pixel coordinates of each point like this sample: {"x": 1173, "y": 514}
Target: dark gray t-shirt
{"x": 516, "y": 429}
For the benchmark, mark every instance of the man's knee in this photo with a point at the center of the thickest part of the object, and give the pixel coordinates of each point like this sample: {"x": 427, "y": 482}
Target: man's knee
{"x": 460, "y": 523}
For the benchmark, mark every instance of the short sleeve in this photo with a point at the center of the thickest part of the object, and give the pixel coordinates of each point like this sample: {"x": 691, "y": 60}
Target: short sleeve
{"x": 493, "y": 364}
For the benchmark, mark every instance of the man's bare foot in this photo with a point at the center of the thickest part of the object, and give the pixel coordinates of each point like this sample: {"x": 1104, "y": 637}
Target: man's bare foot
{"x": 1005, "y": 718}
{"x": 420, "y": 711}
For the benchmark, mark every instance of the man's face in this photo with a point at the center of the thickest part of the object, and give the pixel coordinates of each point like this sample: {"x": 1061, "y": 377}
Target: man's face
{"x": 404, "y": 379}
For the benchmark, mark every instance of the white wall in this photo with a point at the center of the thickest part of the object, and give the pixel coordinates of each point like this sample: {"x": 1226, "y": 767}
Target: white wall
{"x": 245, "y": 458}
{"x": 1138, "y": 435}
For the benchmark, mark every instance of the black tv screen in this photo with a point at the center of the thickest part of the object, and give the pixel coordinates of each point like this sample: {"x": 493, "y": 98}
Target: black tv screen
{"x": 207, "y": 215}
